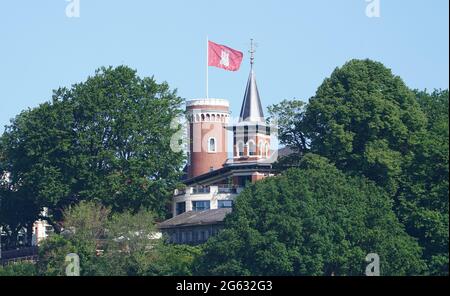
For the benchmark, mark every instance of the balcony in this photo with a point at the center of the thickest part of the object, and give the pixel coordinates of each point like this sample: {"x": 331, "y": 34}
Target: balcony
{"x": 227, "y": 189}
{"x": 212, "y": 194}
{"x": 201, "y": 190}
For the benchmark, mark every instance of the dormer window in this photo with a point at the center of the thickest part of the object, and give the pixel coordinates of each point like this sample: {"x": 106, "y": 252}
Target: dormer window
{"x": 212, "y": 145}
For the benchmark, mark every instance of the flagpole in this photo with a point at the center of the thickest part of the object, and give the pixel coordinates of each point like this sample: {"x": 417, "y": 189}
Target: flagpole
{"x": 207, "y": 69}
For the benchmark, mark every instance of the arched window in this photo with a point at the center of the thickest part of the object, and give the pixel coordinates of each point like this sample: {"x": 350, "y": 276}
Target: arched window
{"x": 213, "y": 117}
{"x": 203, "y": 117}
{"x": 251, "y": 148}
{"x": 261, "y": 148}
{"x": 208, "y": 117}
{"x": 212, "y": 145}
{"x": 240, "y": 149}
{"x": 197, "y": 118}
{"x": 267, "y": 150}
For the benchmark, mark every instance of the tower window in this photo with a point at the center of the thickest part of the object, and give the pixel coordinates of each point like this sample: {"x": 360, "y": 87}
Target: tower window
{"x": 251, "y": 148}
{"x": 212, "y": 145}
{"x": 240, "y": 149}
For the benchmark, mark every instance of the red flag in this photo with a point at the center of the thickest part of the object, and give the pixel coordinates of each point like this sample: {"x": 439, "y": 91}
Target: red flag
{"x": 224, "y": 57}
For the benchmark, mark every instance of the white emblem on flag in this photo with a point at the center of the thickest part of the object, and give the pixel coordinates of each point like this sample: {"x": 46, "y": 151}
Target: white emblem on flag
{"x": 225, "y": 58}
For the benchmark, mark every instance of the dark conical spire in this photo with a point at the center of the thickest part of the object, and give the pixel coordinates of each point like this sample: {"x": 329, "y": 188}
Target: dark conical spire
{"x": 251, "y": 109}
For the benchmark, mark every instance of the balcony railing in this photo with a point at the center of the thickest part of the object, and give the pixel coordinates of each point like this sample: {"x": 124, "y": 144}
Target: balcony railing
{"x": 201, "y": 190}
{"x": 227, "y": 190}
{"x": 222, "y": 188}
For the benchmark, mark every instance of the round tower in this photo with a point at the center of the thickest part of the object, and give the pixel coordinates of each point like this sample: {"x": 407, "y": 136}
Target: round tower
{"x": 208, "y": 119}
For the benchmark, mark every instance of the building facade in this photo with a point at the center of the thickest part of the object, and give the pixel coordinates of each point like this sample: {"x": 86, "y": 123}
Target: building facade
{"x": 213, "y": 180}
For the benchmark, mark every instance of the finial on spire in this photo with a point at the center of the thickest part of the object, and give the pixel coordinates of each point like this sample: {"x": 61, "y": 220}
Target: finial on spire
{"x": 252, "y": 52}
{"x": 251, "y": 110}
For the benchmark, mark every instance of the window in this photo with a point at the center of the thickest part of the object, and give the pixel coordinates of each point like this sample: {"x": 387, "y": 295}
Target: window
{"x": 251, "y": 148}
{"x": 261, "y": 145}
{"x": 195, "y": 236}
{"x": 200, "y": 205}
{"x": 225, "y": 204}
{"x": 212, "y": 145}
{"x": 181, "y": 207}
{"x": 243, "y": 180}
{"x": 202, "y": 236}
{"x": 240, "y": 149}
{"x": 267, "y": 150}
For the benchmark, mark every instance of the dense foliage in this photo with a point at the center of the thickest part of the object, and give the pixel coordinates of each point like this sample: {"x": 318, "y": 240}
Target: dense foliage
{"x": 313, "y": 220}
{"x": 368, "y": 122}
{"x": 369, "y": 174}
{"x": 106, "y": 139}
{"x": 113, "y": 244}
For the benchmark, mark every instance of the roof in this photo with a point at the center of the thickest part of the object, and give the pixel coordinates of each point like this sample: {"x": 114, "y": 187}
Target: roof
{"x": 207, "y": 102}
{"x": 193, "y": 218}
{"x": 251, "y": 109}
{"x": 228, "y": 169}
{"x": 285, "y": 151}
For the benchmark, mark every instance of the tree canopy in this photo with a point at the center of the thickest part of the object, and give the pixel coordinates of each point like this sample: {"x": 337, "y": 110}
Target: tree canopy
{"x": 423, "y": 201}
{"x": 312, "y": 220}
{"x": 111, "y": 244}
{"x": 106, "y": 139}
{"x": 365, "y": 120}
{"x": 368, "y": 122}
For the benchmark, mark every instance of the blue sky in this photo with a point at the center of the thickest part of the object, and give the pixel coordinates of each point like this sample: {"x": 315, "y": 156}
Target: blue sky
{"x": 300, "y": 43}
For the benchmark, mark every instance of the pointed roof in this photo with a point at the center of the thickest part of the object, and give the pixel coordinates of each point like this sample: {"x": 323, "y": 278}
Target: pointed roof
{"x": 251, "y": 109}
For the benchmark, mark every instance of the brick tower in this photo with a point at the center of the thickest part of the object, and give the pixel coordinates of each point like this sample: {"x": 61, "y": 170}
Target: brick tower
{"x": 207, "y": 134}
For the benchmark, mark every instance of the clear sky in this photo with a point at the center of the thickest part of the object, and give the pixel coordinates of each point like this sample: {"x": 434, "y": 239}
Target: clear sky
{"x": 300, "y": 43}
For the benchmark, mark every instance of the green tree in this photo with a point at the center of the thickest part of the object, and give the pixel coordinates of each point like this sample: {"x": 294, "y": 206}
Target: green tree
{"x": 174, "y": 260}
{"x": 289, "y": 116}
{"x": 52, "y": 254}
{"x": 423, "y": 196}
{"x": 105, "y": 139}
{"x": 313, "y": 220}
{"x": 113, "y": 244}
{"x": 365, "y": 119}
{"x": 19, "y": 269}
{"x": 367, "y": 122}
